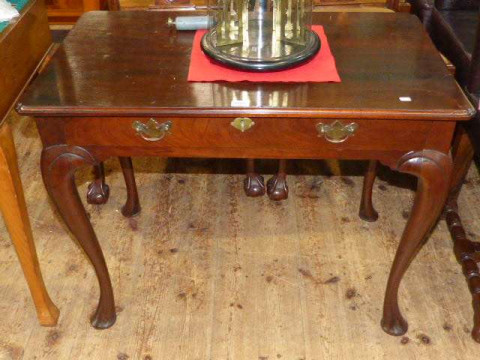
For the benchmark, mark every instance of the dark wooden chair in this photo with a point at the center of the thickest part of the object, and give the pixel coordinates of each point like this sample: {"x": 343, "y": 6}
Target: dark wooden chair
{"x": 454, "y": 27}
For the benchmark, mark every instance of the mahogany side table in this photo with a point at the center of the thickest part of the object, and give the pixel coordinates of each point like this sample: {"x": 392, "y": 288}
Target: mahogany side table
{"x": 118, "y": 87}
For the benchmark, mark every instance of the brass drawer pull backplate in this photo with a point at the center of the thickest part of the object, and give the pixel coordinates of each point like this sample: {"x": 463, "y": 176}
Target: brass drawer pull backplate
{"x": 242, "y": 124}
{"x": 152, "y": 130}
{"x": 336, "y": 132}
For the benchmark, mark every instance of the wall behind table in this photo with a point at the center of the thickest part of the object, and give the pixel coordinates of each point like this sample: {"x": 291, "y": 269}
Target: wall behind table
{"x": 68, "y": 11}
{"x": 129, "y": 4}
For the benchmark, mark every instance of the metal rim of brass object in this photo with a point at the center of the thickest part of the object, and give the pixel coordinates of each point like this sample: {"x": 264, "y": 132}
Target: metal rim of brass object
{"x": 310, "y": 49}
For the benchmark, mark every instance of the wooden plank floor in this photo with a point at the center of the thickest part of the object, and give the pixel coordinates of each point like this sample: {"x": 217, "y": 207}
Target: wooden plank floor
{"x": 207, "y": 273}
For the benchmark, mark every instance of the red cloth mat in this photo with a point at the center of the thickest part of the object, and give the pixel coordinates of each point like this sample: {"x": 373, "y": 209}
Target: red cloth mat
{"x": 321, "y": 68}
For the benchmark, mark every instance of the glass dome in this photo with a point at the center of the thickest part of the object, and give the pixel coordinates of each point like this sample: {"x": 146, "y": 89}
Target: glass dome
{"x": 261, "y": 35}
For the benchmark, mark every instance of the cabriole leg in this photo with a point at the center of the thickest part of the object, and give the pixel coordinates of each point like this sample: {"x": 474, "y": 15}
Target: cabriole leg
{"x": 433, "y": 170}
{"x": 98, "y": 192}
{"x": 132, "y": 205}
{"x": 367, "y": 211}
{"x": 277, "y": 188}
{"x": 59, "y": 164}
{"x": 253, "y": 184}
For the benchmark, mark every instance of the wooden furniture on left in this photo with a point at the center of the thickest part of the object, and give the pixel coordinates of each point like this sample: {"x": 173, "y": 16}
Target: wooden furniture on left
{"x": 23, "y": 45}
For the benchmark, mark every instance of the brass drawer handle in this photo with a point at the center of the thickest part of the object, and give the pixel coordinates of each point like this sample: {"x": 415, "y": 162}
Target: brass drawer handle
{"x": 336, "y": 132}
{"x": 152, "y": 130}
{"x": 242, "y": 124}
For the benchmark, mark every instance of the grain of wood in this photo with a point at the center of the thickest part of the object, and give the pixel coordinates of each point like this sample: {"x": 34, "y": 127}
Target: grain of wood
{"x": 207, "y": 273}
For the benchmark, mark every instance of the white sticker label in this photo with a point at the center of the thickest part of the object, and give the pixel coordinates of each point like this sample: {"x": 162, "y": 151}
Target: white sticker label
{"x": 240, "y": 102}
{"x": 405, "y": 98}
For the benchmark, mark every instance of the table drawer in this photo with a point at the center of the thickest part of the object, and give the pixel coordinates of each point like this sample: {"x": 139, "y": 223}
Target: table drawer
{"x": 266, "y": 137}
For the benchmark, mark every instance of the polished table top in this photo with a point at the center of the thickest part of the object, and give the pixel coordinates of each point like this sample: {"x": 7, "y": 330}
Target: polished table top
{"x": 131, "y": 63}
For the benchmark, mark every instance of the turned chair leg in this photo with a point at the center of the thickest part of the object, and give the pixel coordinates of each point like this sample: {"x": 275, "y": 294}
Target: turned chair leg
{"x": 14, "y": 210}
{"x": 466, "y": 251}
{"x": 367, "y": 211}
{"x": 277, "y": 188}
{"x": 99, "y": 191}
{"x": 253, "y": 184}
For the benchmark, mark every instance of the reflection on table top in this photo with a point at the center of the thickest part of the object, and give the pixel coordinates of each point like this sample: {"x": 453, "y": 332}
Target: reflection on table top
{"x": 131, "y": 63}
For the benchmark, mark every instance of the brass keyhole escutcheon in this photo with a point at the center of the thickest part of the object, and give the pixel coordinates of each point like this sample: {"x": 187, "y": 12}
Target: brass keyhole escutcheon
{"x": 242, "y": 124}
{"x": 152, "y": 130}
{"x": 336, "y": 132}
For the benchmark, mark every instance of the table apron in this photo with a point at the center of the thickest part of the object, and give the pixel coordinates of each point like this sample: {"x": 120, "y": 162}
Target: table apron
{"x": 266, "y": 138}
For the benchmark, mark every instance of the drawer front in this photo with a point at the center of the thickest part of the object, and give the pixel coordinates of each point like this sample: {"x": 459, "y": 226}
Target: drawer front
{"x": 264, "y": 137}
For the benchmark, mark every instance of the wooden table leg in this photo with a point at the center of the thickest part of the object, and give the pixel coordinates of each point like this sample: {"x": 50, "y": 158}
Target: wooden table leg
{"x": 253, "y": 184}
{"x": 132, "y": 205}
{"x": 433, "y": 170}
{"x": 98, "y": 191}
{"x": 59, "y": 164}
{"x": 367, "y": 211}
{"x": 14, "y": 210}
{"x": 277, "y": 188}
